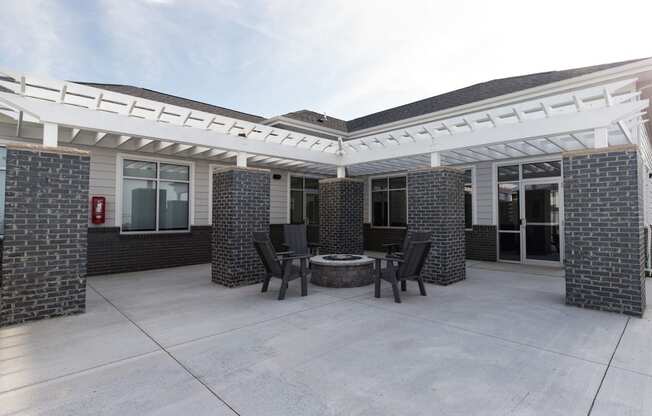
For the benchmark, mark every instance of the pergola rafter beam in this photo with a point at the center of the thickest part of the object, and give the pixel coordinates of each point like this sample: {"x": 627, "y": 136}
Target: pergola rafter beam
{"x": 86, "y": 119}
{"x": 586, "y": 120}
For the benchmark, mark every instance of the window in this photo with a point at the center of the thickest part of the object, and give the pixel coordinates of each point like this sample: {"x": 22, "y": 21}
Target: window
{"x": 155, "y": 196}
{"x": 468, "y": 198}
{"x": 3, "y": 174}
{"x": 304, "y": 200}
{"x": 389, "y": 202}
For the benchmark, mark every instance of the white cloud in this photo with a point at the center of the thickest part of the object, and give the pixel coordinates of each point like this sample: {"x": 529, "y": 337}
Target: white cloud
{"x": 345, "y": 58}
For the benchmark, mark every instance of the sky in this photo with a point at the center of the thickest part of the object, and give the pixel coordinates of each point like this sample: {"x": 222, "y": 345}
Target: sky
{"x": 344, "y": 58}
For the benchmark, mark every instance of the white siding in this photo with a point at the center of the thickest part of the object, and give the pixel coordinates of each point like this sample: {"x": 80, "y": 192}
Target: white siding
{"x": 365, "y": 203}
{"x": 201, "y": 193}
{"x": 103, "y": 174}
{"x": 484, "y": 193}
{"x": 279, "y": 198}
{"x": 102, "y": 180}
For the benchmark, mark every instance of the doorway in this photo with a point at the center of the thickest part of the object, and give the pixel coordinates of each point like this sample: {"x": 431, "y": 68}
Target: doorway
{"x": 529, "y": 203}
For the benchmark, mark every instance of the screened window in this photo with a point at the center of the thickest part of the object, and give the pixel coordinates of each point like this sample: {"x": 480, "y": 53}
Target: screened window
{"x": 468, "y": 198}
{"x": 155, "y": 196}
{"x": 304, "y": 200}
{"x": 389, "y": 202}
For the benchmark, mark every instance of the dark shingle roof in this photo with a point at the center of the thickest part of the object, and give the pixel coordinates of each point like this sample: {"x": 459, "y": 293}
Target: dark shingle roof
{"x": 318, "y": 119}
{"x": 174, "y": 100}
{"x": 462, "y": 96}
{"x": 473, "y": 93}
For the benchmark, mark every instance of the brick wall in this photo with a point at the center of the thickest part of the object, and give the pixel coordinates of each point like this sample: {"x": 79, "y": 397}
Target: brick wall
{"x": 604, "y": 238}
{"x": 44, "y": 248}
{"x": 240, "y": 208}
{"x": 112, "y": 252}
{"x": 341, "y": 216}
{"x": 481, "y": 243}
{"x": 436, "y": 204}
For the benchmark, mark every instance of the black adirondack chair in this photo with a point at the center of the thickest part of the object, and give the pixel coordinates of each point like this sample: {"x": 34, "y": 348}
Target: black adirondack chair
{"x": 397, "y": 250}
{"x": 281, "y": 267}
{"x": 403, "y": 269}
{"x": 296, "y": 239}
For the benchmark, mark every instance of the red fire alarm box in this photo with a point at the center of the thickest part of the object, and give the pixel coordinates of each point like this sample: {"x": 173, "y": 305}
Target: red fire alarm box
{"x": 98, "y": 207}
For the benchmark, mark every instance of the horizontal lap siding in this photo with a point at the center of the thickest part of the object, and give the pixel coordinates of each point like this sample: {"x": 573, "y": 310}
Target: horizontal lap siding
{"x": 201, "y": 193}
{"x": 279, "y": 198}
{"x": 102, "y": 180}
{"x": 484, "y": 193}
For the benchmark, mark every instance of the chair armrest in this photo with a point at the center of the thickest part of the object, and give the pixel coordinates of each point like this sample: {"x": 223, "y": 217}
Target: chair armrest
{"x": 284, "y": 253}
{"x": 298, "y": 257}
{"x": 398, "y": 260}
{"x": 388, "y": 245}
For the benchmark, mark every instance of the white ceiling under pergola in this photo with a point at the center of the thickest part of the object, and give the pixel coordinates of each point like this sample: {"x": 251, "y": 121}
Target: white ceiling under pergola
{"x": 608, "y": 114}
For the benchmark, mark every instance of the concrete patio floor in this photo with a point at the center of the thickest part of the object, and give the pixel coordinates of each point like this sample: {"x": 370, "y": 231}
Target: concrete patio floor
{"x": 170, "y": 342}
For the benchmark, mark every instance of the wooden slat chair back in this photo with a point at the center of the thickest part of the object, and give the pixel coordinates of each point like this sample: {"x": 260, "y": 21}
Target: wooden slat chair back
{"x": 410, "y": 266}
{"x": 280, "y": 267}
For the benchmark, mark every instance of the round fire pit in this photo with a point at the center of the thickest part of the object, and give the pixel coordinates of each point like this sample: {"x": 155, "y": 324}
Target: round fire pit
{"x": 342, "y": 270}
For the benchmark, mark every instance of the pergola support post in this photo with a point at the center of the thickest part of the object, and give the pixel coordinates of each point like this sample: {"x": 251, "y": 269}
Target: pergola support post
{"x": 436, "y": 204}
{"x": 603, "y": 229}
{"x": 45, "y": 239}
{"x": 50, "y": 134}
{"x": 240, "y": 207}
{"x": 341, "y": 216}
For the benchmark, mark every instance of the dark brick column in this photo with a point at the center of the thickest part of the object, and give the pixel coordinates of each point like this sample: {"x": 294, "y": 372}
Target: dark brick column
{"x": 46, "y": 222}
{"x": 341, "y": 216}
{"x": 436, "y": 204}
{"x": 240, "y": 208}
{"x": 603, "y": 230}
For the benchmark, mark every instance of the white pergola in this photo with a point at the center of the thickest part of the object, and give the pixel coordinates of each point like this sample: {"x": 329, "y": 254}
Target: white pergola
{"x": 594, "y": 117}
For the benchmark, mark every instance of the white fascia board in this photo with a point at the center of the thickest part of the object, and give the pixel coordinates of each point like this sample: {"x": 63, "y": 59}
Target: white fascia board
{"x": 86, "y": 119}
{"x": 560, "y": 124}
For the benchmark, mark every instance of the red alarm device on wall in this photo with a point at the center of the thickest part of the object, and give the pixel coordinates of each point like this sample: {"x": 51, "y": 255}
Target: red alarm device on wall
{"x": 98, "y": 209}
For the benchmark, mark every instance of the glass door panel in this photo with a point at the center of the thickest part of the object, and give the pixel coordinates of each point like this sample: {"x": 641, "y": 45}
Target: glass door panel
{"x": 509, "y": 228}
{"x": 542, "y": 239}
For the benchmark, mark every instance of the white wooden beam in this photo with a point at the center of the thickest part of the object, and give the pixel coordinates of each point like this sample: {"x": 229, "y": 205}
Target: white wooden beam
{"x": 141, "y": 142}
{"x": 75, "y": 117}
{"x": 179, "y": 148}
{"x": 50, "y": 134}
{"x": 99, "y": 136}
{"x": 626, "y": 131}
{"x": 62, "y": 93}
{"x": 577, "y": 139}
{"x": 506, "y": 133}
{"x": 341, "y": 172}
{"x": 435, "y": 159}
{"x": 241, "y": 159}
{"x": 19, "y": 124}
{"x": 554, "y": 143}
{"x": 122, "y": 140}
{"x": 600, "y": 137}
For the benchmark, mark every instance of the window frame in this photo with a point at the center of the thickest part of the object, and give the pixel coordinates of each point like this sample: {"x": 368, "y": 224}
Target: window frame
{"x": 370, "y": 200}
{"x": 305, "y": 191}
{"x": 474, "y": 193}
{"x": 121, "y": 157}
